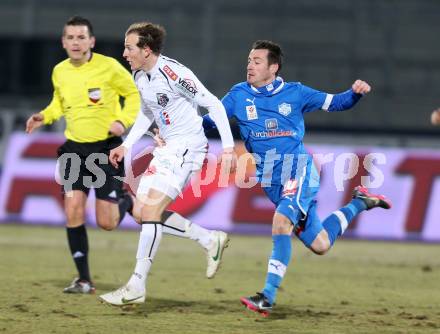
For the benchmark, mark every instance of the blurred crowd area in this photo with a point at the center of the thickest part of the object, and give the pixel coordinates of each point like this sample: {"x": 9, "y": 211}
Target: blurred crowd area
{"x": 392, "y": 44}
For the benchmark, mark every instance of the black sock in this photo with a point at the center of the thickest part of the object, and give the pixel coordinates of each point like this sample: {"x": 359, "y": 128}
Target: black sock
{"x": 79, "y": 248}
{"x": 125, "y": 205}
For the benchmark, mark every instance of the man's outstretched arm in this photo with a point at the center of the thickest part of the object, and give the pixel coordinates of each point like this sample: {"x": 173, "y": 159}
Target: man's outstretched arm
{"x": 349, "y": 98}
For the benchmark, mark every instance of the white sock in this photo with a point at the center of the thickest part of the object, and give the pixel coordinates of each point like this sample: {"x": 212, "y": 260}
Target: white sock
{"x": 200, "y": 234}
{"x": 179, "y": 226}
{"x": 149, "y": 240}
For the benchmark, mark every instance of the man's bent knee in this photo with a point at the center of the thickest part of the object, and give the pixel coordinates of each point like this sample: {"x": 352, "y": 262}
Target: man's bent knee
{"x": 107, "y": 215}
{"x": 321, "y": 244}
{"x": 108, "y": 224}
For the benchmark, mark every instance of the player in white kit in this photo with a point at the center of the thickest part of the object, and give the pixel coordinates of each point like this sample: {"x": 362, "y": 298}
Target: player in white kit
{"x": 170, "y": 95}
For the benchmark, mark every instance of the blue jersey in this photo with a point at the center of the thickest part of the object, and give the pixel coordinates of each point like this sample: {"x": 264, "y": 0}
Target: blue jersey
{"x": 271, "y": 123}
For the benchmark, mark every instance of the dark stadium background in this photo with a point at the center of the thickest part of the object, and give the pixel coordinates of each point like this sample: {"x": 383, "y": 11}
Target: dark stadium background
{"x": 361, "y": 286}
{"x": 391, "y": 44}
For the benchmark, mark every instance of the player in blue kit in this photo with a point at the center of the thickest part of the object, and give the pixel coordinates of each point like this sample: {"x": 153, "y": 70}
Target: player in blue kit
{"x": 270, "y": 115}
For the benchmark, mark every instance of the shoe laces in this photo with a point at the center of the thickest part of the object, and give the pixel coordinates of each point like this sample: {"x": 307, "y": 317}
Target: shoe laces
{"x": 75, "y": 281}
{"x": 259, "y": 295}
{"x": 121, "y": 291}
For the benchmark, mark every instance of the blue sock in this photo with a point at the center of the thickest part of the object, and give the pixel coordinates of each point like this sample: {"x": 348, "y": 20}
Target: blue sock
{"x": 337, "y": 222}
{"x": 278, "y": 262}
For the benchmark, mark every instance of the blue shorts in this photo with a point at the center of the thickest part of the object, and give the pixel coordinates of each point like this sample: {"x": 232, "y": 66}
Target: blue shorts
{"x": 296, "y": 201}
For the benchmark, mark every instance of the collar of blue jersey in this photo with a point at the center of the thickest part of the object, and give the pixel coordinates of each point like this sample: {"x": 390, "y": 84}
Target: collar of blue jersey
{"x": 270, "y": 89}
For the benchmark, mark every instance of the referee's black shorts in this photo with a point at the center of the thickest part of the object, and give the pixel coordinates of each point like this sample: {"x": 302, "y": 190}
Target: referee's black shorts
{"x": 79, "y": 170}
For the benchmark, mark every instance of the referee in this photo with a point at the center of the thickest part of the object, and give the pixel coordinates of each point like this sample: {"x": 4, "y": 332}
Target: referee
{"x": 87, "y": 91}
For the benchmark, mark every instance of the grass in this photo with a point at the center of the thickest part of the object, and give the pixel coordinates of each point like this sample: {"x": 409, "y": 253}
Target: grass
{"x": 359, "y": 287}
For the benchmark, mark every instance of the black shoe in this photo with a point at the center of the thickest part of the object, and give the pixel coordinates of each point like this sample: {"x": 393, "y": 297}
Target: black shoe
{"x": 371, "y": 200}
{"x": 258, "y": 303}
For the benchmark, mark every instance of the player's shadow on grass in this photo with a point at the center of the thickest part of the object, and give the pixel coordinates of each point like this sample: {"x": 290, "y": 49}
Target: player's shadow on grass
{"x": 161, "y": 305}
{"x": 101, "y": 288}
{"x": 288, "y": 311}
{"x": 154, "y": 305}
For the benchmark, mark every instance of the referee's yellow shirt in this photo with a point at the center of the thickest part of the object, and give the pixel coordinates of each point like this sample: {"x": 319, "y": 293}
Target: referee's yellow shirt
{"x": 88, "y": 96}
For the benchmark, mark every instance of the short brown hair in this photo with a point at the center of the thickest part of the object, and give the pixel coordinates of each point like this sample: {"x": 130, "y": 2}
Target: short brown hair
{"x": 275, "y": 55}
{"x": 79, "y": 21}
{"x": 150, "y": 34}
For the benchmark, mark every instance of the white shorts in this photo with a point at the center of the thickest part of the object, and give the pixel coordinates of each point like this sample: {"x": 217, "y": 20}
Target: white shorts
{"x": 171, "y": 169}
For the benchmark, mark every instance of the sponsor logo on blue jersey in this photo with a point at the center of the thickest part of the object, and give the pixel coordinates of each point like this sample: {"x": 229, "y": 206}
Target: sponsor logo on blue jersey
{"x": 284, "y": 109}
{"x": 290, "y": 188}
{"x": 251, "y": 111}
{"x": 272, "y": 130}
{"x": 271, "y": 124}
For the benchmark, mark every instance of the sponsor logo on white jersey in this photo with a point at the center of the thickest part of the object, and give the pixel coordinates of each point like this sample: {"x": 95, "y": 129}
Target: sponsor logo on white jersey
{"x": 165, "y": 117}
{"x": 170, "y": 73}
{"x": 187, "y": 87}
{"x": 151, "y": 170}
{"x": 162, "y": 99}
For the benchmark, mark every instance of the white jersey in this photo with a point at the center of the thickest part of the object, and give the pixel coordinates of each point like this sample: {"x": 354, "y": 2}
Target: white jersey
{"x": 171, "y": 95}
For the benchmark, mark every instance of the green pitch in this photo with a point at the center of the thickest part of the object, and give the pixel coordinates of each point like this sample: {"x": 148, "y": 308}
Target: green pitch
{"x": 359, "y": 287}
